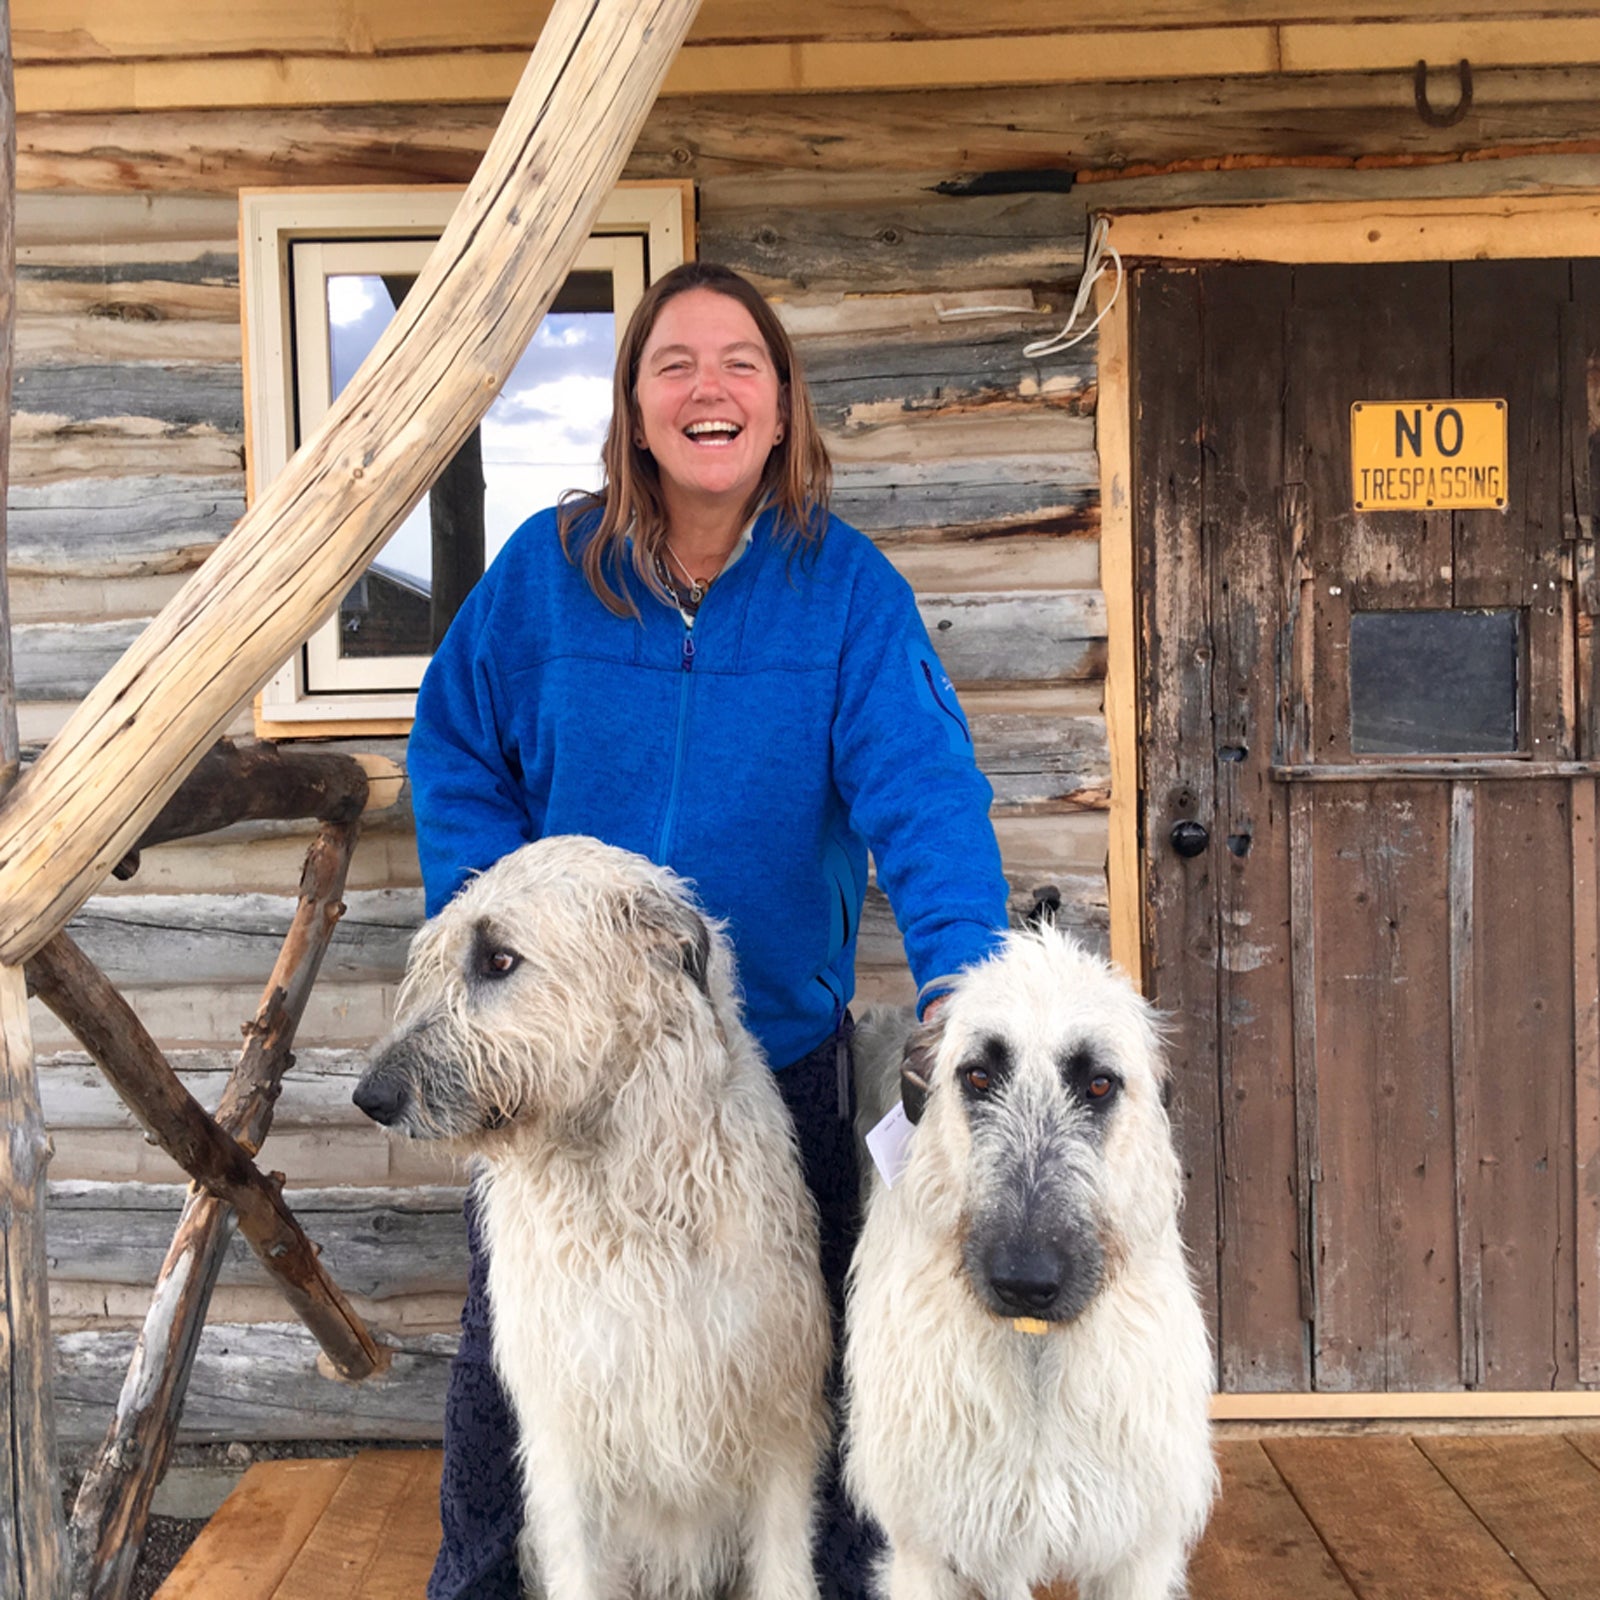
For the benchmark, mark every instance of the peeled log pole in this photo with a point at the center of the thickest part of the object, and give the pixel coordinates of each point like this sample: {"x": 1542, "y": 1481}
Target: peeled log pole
{"x": 113, "y": 1504}
{"x": 33, "y": 1555}
{"x": 515, "y": 235}
{"x": 32, "y": 1538}
{"x": 76, "y": 990}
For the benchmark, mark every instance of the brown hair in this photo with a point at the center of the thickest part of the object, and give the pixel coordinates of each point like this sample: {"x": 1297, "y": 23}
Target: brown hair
{"x": 797, "y": 479}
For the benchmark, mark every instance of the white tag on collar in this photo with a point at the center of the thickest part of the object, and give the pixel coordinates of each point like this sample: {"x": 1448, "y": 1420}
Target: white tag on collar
{"x": 890, "y": 1144}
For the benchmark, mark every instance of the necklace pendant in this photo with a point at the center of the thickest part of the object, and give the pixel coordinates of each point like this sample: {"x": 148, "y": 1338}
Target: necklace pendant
{"x": 697, "y": 593}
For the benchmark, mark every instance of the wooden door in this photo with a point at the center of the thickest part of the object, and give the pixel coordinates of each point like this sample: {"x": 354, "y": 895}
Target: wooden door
{"x": 1377, "y": 733}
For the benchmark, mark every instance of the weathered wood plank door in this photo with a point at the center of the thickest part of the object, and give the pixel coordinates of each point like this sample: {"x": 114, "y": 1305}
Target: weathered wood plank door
{"x": 1369, "y": 746}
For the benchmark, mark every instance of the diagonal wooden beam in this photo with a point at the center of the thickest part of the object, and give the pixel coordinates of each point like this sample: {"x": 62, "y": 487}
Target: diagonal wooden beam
{"x": 517, "y": 231}
{"x": 113, "y": 1504}
{"x": 81, "y": 995}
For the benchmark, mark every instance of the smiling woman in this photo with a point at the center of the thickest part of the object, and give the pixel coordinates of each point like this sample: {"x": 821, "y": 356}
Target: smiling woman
{"x": 710, "y": 412}
{"x": 715, "y": 421}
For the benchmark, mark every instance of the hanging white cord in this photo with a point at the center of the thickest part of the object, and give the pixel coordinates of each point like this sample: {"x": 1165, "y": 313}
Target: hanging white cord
{"x": 1094, "y": 268}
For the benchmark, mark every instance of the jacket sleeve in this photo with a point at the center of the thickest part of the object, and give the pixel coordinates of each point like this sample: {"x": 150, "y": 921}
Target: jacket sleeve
{"x": 904, "y": 764}
{"x": 466, "y": 787}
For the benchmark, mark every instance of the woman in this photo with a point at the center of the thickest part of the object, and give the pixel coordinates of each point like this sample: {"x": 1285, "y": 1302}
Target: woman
{"x": 700, "y": 664}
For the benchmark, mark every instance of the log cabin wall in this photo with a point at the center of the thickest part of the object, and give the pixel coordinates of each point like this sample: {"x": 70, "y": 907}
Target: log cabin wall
{"x": 914, "y": 240}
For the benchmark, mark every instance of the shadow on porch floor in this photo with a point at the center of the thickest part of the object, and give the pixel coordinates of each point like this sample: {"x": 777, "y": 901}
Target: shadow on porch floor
{"x": 1387, "y": 1517}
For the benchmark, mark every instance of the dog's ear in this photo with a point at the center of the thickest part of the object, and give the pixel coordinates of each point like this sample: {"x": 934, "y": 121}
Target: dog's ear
{"x": 916, "y": 1066}
{"x": 677, "y": 933}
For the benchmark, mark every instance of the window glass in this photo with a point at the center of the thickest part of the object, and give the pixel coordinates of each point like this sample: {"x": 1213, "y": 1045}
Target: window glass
{"x": 543, "y": 435}
{"x": 1427, "y": 683}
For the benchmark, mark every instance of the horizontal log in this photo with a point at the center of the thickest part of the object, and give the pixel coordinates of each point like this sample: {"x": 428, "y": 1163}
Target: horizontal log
{"x": 88, "y": 599}
{"x": 156, "y": 294}
{"x": 120, "y": 527}
{"x": 153, "y": 941}
{"x": 382, "y": 1244}
{"x": 100, "y": 339}
{"x": 1039, "y": 759}
{"x": 928, "y": 241}
{"x": 354, "y": 1013}
{"x": 260, "y": 1381}
{"x": 365, "y": 27}
{"x": 1308, "y": 115}
{"x": 1018, "y": 638}
{"x": 994, "y": 638}
{"x": 75, "y": 1095}
{"x": 43, "y": 452}
{"x": 205, "y": 1014}
{"x": 1043, "y": 493}
{"x": 64, "y": 662}
{"x": 1034, "y": 759}
{"x": 949, "y": 371}
{"x": 189, "y": 395}
{"x": 109, "y": 277}
{"x": 140, "y": 941}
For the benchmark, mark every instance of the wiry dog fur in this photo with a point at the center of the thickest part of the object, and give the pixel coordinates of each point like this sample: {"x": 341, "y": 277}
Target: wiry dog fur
{"x": 1040, "y": 1184}
{"x": 657, "y": 1309}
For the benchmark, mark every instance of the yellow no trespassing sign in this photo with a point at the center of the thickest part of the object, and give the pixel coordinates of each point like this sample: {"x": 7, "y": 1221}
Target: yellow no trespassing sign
{"x": 1428, "y": 455}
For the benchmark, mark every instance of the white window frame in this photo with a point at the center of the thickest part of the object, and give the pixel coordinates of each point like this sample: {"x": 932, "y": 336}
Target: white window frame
{"x": 337, "y": 221}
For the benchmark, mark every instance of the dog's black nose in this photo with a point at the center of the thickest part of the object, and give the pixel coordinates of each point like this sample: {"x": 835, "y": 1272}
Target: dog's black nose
{"x": 1026, "y": 1280}
{"x": 383, "y": 1099}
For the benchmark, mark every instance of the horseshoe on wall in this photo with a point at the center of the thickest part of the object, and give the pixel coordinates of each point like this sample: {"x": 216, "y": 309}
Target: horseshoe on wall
{"x": 1443, "y": 119}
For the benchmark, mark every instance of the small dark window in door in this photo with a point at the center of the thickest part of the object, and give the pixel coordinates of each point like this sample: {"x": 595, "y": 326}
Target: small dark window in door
{"x": 1434, "y": 683}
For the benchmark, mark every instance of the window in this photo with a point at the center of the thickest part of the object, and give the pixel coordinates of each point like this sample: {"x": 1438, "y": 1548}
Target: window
{"x": 1435, "y": 683}
{"x": 322, "y": 275}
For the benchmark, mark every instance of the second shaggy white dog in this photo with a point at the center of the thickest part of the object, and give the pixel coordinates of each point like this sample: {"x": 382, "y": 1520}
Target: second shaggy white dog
{"x": 657, "y": 1308}
{"x": 1027, "y": 1365}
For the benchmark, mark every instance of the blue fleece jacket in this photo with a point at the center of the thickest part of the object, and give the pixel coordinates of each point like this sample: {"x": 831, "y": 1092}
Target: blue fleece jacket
{"x": 803, "y": 719}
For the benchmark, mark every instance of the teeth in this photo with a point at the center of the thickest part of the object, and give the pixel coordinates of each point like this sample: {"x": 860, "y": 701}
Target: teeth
{"x": 697, "y": 429}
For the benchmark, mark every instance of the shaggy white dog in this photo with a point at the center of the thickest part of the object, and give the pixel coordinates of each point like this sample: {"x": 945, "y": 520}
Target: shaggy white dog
{"x": 657, "y": 1308}
{"x": 1028, "y": 1369}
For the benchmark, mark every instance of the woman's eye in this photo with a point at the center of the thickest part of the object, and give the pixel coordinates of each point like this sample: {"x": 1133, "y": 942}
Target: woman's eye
{"x": 978, "y": 1080}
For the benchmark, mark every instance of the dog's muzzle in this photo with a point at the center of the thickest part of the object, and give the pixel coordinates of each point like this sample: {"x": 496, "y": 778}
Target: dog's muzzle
{"x": 382, "y": 1097}
{"x": 1040, "y": 1281}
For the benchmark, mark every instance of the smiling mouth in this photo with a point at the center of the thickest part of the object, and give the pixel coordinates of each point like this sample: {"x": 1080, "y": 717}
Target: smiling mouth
{"x": 714, "y": 433}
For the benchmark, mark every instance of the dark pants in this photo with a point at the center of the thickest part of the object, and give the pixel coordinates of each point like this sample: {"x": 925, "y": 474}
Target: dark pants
{"x": 480, "y": 1500}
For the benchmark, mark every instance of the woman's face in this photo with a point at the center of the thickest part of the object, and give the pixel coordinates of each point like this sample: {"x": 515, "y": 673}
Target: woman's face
{"x": 708, "y": 402}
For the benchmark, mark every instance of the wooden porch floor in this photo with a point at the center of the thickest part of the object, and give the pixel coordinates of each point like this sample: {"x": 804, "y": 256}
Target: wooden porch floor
{"x": 1390, "y": 1517}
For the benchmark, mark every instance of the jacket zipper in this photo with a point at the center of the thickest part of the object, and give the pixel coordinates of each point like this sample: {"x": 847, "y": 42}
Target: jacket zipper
{"x": 938, "y": 700}
{"x": 686, "y": 661}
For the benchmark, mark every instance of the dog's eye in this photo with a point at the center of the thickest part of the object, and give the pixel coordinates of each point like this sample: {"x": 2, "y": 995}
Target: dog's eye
{"x": 1102, "y": 1087}
{"x": 498, "y": 963}
{"x": 978, "y": 1080}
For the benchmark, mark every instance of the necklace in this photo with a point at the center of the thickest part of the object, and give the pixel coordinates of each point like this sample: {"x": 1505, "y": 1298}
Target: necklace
{"x": 697, "y": 586}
